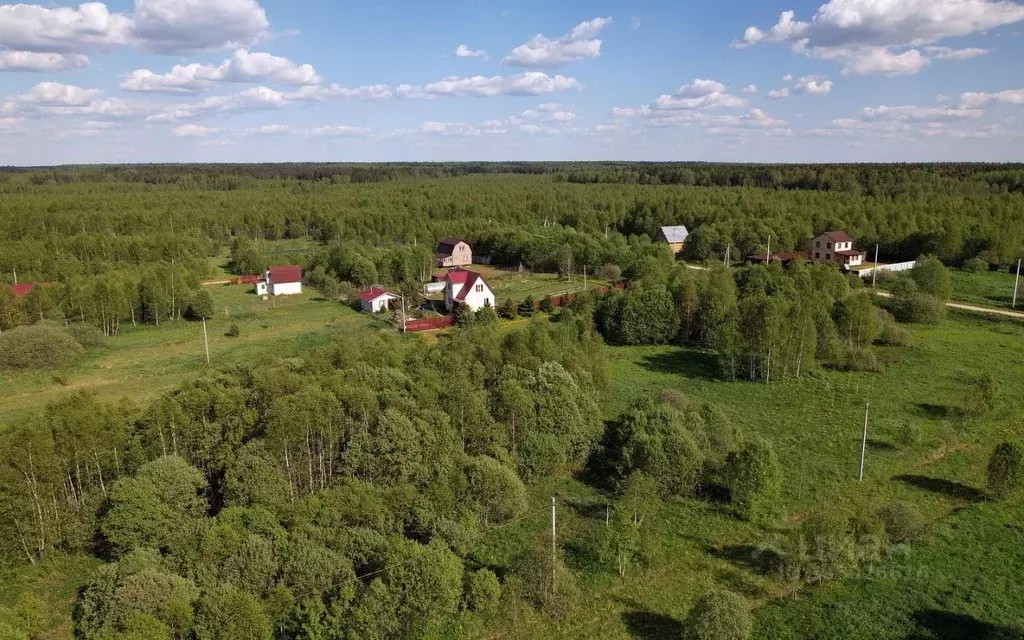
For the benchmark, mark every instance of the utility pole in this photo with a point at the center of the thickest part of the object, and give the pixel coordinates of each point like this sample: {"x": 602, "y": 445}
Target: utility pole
{"x": 15, "y": 276}
{"x": 554, "y": 548}
{"x": 864, "y": 441}
{"x": 769, "y": 261}
{"x": 584, "y": 277}
{"x": 1015, "y": 283}
{"x": 403, "y": 313}
{"x": 206, "y": 341}
{"x": 874, "y": 272}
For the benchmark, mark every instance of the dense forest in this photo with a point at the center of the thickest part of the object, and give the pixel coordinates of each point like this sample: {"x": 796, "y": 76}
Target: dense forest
{"x": 344, "y": 494}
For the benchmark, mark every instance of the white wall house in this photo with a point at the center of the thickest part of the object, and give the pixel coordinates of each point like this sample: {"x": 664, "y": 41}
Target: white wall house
{"x": 453, "y": 252}
{"x": 467, "y": 287}
{"x": 375, "y": 299}
{"x": 836, "y": 247}
{"x": 280, "y": 281}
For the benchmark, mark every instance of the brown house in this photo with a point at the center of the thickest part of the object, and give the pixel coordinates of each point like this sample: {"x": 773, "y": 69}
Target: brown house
{"x": 836, "y": 247}
{"x": 453, "y": 252}
{"x": 675, "y": 237}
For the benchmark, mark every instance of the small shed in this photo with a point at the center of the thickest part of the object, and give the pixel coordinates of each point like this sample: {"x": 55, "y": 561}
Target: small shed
{"x": 675, "y": 237}
{"x": 375, "y": 299}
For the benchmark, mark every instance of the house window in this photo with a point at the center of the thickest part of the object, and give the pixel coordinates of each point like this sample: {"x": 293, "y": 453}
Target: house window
{"x": 817, "y": 255}
{"x": 479, "y": 288}
{"x": 818, "y": 244}
{"x": 487, "y": 302}
{"x": 828, "y": 257}
{"x": 828, "y": 245}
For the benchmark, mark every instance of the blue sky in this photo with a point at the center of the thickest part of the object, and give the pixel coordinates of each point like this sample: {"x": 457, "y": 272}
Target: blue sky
{"x": 326, "y": 80}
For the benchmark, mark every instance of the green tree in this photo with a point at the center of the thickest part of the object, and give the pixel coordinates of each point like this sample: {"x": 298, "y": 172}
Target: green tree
{"x": 755, "y": 478}
{"x": 482, "y": 590}
{"x": 493, "y": 491}
{"x": 657, "y": 441}
{"x": 903, "y": 521}
{"x": 227, "y": 613}
{"x": 527, "y": 307}
{"x": 1005, "y": 470}
{"x": 200, "y": 305}
{"x": 647, "y": 316}
{"x": 718, "y": 615}
{"x": 253, "y": 480}
{"x": 156, "y": 506}
{"x": 932, "y": 277}
{"x": 547, "y": 304}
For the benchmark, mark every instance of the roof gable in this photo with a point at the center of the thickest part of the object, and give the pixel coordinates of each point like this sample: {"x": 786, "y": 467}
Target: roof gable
{"x": 837, "y": 236}
{"x": 373, "y": 293}
{"x": 674, "y": 234}
{"x": 284, "y": 274}
{"x": 446, "y": 246}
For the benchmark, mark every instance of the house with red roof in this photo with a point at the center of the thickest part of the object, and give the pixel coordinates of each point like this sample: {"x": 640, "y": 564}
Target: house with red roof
{"x": 467, "y": 287}
{"x": 283, "y": 280}
{"x": 375, "y": 299}
{"x": 19, "y": 290}
{"x": 836, "y": 247}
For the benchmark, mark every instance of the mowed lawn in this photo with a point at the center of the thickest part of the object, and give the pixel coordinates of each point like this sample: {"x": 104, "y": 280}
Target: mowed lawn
{"x": 140, "y": 362}
{"x": 815, "y": 424}
{"x": 516, "y": 286}
{"x": 989, "y": 288}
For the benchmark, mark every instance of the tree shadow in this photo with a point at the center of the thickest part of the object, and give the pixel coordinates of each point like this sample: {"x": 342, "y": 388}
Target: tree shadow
{"x": 945, "y": 625}
{"x": 648, "y": 625}
{"x": 948, "y": 488}
{"x": 934, "y": 411}
{"x": 692, "y": 364}
{"x": 599, "y": 472}
{"x": 753, "y": 558}
{"x": 714, "y": 492}
{"x": 880, "y": 445}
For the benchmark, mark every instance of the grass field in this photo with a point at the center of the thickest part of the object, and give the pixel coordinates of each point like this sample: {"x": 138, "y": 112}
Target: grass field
{"x": 815, "y": 424}
{"x": 516, "y": 286}
{"x": 990, "y": 288}
{"x": 140, "y": 362}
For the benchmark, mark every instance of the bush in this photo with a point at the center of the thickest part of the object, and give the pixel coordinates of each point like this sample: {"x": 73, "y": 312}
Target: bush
{"x": 200, "y": 306}
{"x": 976, "y": 265}
{"x": 547, "y": 304}
{"x": 932, "y": 277}
{"x": 485, "y": 316}
{"x": 755, "y": 479}
{"x": 903, "y": 521}
{"x": 86, "y": 335}
{"x": 719, "y": 615}
{"x": 979, "y": 398}
{"x": 233, "y": 331}
{"x": 919, "y": 308}
{"x": 38, "y": 346}
{"x": 610, "y": 273}
{"x": 890, "y": 334}
{"x": 482, "y": 591}
{"x": 858, "y": 359}
{"x": 908, "y": 434}
{"x": 527, "y": 307}
{"x": 1004, "y": 470}
{"x": 674, "y": 398}
{"x": 508, "y": 310}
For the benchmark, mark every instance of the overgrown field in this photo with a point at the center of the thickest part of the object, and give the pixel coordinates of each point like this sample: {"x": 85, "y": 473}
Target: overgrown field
{"x": 989, "y": 288}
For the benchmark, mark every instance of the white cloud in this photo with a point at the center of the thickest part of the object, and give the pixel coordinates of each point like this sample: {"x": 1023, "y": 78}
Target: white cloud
{"x": 319, "y": 131}
{"x": 462, "y": 51}
{"x": 10, "y": 125}
{"x": 462, "y": 129}
{"x": 271, "y": 130}
{"x": 814, "y": 85}
{"x": 265, "y": 98}
{"x": 162, "y": 26}
{"x": 578, "y": 44}
{"x": 192, "y": 131}
{"x": 341, "y": 131}
{"x": 52, "y": 94}
{"x": 974, "y": 100}
{"x": 89, "y": 27}
{"x": 530, "y": 83}
{"x": 918, "y": 114}
{"x": 188, "y": 26}
{"x": 881, "y": 36}
{"x": 53, "y": 99}
{"x": 551, "y": 112}
{"x": 778, "y": 93}
{"x": 243, "y": 66}
{"x": 36, "y": 61}
{"x": 750, "y": 88}
{"x": 699, "y": 94}
{"x": 634, "y": 24}
{"x": 949, "y": 53}
{"x": 787, "y": 78}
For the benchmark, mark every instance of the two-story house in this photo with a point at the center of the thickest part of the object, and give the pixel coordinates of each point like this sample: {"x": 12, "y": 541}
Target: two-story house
{"x": 836, "y": 247}
{"x": 453, "y": 252}
{"x": 467, "y": 287}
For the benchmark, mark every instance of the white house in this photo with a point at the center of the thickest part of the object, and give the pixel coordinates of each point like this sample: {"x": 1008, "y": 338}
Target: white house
{"x": 467, "y": 287}
{"x": 836, "y": 247}
{"x": 375, "y": 299}
{"x": 280, "y": 281}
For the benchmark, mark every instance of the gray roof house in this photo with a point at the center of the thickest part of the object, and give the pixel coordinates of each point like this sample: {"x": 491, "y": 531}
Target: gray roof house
{"x": 675, "y": 237}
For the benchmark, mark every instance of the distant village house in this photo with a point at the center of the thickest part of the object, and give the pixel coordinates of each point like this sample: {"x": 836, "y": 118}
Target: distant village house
{"x": 453, "y": 252}
{"x": 836, "y": 247}
{"x": 467, "y": 287}
{"x": 376, "y": 299}
{"x": 285, "y": 280}
{"x": 675, "y": 237}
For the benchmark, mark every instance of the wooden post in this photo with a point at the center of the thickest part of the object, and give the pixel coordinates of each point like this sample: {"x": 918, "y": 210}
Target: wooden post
{"x": 554, "y": 547}
{"x": 874, "y": 272}
{"x": 206, "y": 341}
{"x": 864, "y": 441}
{"x": 769, "y": 260}
{"x": 1015, "y": 283}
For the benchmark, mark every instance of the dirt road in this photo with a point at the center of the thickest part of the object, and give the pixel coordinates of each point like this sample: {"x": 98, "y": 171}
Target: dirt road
{"x": 970, "y": 307}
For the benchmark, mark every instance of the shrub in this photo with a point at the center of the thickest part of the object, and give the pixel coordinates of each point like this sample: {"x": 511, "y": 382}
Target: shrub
{"x": 610, "y": 273}
{"x": 38, "y": 346}
{"x": 527, "y": 307}
{"x": 755, "y": 479}
{"x": 485, "y": 316}
{"x": 719, "y": 615}
{"x": 547, "y": 304}
{"x": 919, "y": 308}
{"x": 932, "y": 277}
{"x": 976, "y": 265}
{"x": 858, "y": 359}
{"x": 674, "y": 398}
{"x": 903, "y": 521}
{"x": 86, "y": 335}
{"x": 890, "y": 334}
{"x": 200, "y": 306}
{"x": 1004, "y": 470}
{"x": 233, "y": 331}
{"x": 979, "y": 398}
{"x": 482, "y": 590}
{"x": 508, "y": 310}
{"x": 908, "y": 434}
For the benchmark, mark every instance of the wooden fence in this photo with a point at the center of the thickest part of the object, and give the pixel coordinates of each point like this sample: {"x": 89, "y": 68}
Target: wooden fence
{"x": 428, "y": 324}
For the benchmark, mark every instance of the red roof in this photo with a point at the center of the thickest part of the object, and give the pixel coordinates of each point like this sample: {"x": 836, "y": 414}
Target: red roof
{"x": 459, "y": 276}
{"x": 285, "y": 274}
{"x": 838, "y": 236}
{"x": 371, "y": 294}
{"x": 21, "y": 289}
{"x": 473, "y": 278}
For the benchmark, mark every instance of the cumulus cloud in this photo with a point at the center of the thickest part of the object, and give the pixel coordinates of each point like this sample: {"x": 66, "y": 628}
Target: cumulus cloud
{"x": 778, "y": 93}
{"x": 918, "y": 114}
{"x": 552, "y": 112}
{"x": 39, "y": 62}
{"x": 949, "y": 53}
{"x": 872, "y": 37}
{"x": 192, "y": 131}
{"x": 162, "y": 26}
{"x": 814, "y": 85}
{"x": 243, "y": 66}
{"x": 750, "y": 88}
{"x": 53, "y": 99}
{"x": 975, "y": 100}
{"x": 319, "y": 131}
{"x": 264, "y": 98}
{"x": 462, "y": 129}
{"x": 579, "y": 44}
{"x": 462, "y": 51}
{"x": 530, "y": 83}
{"x": 699, "y": 94}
